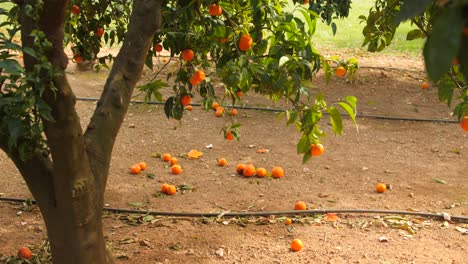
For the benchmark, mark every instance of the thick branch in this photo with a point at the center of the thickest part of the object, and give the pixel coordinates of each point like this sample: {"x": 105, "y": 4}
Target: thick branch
{"x": 126, "y": 71}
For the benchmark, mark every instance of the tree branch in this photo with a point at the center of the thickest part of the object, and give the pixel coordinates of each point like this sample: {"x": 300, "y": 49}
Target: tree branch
{"x": 115, "y": 99}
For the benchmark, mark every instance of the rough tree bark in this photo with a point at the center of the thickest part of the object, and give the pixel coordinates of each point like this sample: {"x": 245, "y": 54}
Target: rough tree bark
{"x": 69, "y": 184}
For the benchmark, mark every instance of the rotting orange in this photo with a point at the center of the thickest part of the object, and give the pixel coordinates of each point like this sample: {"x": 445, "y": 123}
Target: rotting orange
{"x": 215, "y": 10}
{"x": 185, "y": 99}
{"x": 277, "y": 172}
{"x": 300, "y": 205}
{"x": 229, "y": 135}
{"x": 25, "y": 253}
{"x": 142, "y": 165}
{"x": 188, "y": 55}
{"x": 249, "y": 170}
{"x": 288, "y": 221}
{"x": 464, "y": 123}
{"x": 240, "y": 168}
{"x": 316, "y": 149}
{"x": 171, "y": 190}
{"x": 340, "y": 71}
{"x": 173, "y": 161}
{"x": 176, "y": 169}
{"x": 222, "y": 162}
{"x": 245, "y": 42}
{"x": 166, "y": 157}
{"x": 296, "y": 245}
{"x": 381, "y": 187}
{"x": 135, "y": 169}
{"x": 164, "y": 187}
{"x": 424, "y": 85}
{"x": 261, "y": 172}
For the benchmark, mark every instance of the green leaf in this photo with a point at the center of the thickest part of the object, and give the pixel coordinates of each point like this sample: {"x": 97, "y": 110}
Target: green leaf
{"x": 336, "y": 121}
{"x": 11, "y": 67}
{"x": 446, "y": 88}
{"x": 415, "y": 34}
{"x": 349, "y": 110}
{"x": 168, "y": 106}
{"x": 443, "y": 44}
{"x": 136, "y": 204}
{"x": 439, "y": 181}
{"x": 306, "y": 157}
{"x": 411, "y": 8}
{"x": 303, "y": 145}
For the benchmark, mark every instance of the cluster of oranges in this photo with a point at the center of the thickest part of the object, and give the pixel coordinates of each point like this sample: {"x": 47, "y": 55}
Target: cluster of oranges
{"x": 220, "y": 111}
{"x": 249, "y": 170}
{"x": 168, "y": 189}
{"x": 175, "y": 167}
{"x": 137, "y": 168}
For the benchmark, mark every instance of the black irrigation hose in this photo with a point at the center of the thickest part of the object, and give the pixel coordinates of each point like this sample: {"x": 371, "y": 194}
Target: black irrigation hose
{"x": 279, "y": 110}
{"x": 270, "y": 213}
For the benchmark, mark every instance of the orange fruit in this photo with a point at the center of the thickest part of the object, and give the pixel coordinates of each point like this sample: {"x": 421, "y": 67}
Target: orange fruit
{"x": 300, "y": 205}
{"x": 197, "y": 77}
{"x": 381, "y": 187}
{"x": 240, "y": 168}
{"x": 135, "y": 169}
{"x": 239, "y": 94}
{"x": 340, "y": 71}
{"x": 277, "y": 172}
{"x": 185, "y": 99}
{"x": 188, "y": 55}
{"x": 164, "y": 187}
{"x": 229, "y": 135}
{"x": 455, "y": 61}
{"x": 245, "y": 42}
{"x": 215, "y": 10}
{"x": 78, "y": 58}
{"x": 249, "y": 170}
{"x": 214, "y": 105}
{"x": 173, "y": 161}
{"x": 100, "y": 32}
{"x": 223, "y": 40}
{"x": 189, "y": 108}
{"x": 171, "y": 190}
{"x": 464, "y": 123}
{"x": 424, "y": 85}
{"x": 233, "y": 112}
{"x": 24, "y": 252}
{"x": 222, "y": 162}
{"x": 142, "y": 165}
{"x": 465, "y": 31}
{"x": 166, "y": 157}
{"x": 219, "y": 111}
{"x": 296, "y": 245}
{"x": 176, "y": 169}
{"x": 76, "y": 9}
{"x": 316, "y": 149}
{"x": 306, "y": 2}
{"x": 261, "y": 172}
{"x": 288, "y": 221}
{"x": 158, "y": 48}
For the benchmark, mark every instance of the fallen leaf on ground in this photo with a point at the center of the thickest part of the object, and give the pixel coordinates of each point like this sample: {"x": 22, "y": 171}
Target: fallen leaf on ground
{"x": 439, "y": 181}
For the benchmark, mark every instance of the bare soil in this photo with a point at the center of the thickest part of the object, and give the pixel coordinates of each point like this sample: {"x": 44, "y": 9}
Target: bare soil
{"x": 407, "y": 155}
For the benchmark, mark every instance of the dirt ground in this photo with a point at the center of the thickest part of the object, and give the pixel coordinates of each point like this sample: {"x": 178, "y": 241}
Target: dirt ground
{"x": 408, "y": 155}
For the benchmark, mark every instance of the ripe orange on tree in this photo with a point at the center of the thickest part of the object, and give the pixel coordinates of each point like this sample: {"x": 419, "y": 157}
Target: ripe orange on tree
{"x": 197, "y": 77}
{"x": 316, "y": 149}
{"x": 100, "y": 32}
{"x": 166, "y": 157}
{"x": 261, "y": 172}
{"x": 239, "y": 94}
{"x": 245, "y": 42}
{"x": 219, "y": 111}
{"x": 424, "y": 85}
{"x": 240, "y": 168}
{"x": 171, "y": 190}
{"x": 158, "y": 47}
{"x": 229, "y": 135}
{"x": 288, "y": 221}
{"x": 306, "y": 2}
{"x": 296, "y": 245}
{"x": 78, "y": 58}
{"x": 215, "y": 10}
{"x": 142, "y": 165}
{"x": 173, "y": 161}
{"x": 277, "y": 172}
{"x": 249, "y": 170}
{"x": 233, "y": 112}
{"x": 164, "y": 187}
{"x": 76, "y": 9}
{"x": 24, "y": 252}
{"x": 189, "y": 108}
{"x": 214, "y": 105}
{"x": 340, "y": 71}
{"x": 188, "y": 55}
{"x": 223, "y": 40}
{"x": 381, "y": 187}
{"x": 464, "y": 123}
{"x": 135, "y": 169}
{"x": 300, "y": 205}
{"x": 185, "y": 99}
{"x": 176, "y": 169}
{"x": 222, "y": 162}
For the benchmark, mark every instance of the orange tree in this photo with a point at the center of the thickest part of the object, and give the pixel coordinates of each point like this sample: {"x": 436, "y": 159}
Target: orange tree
{"x": 444, "y": 23}
{"x": 250, "y": 45}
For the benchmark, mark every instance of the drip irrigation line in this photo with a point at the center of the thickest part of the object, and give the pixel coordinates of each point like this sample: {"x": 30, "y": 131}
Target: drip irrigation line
{"x": 268, "y": 213}
{"x": 279, "y": 110}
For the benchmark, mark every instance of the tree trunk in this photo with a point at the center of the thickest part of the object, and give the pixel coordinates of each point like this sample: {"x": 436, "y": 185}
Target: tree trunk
{"x": 69, "y": 184}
